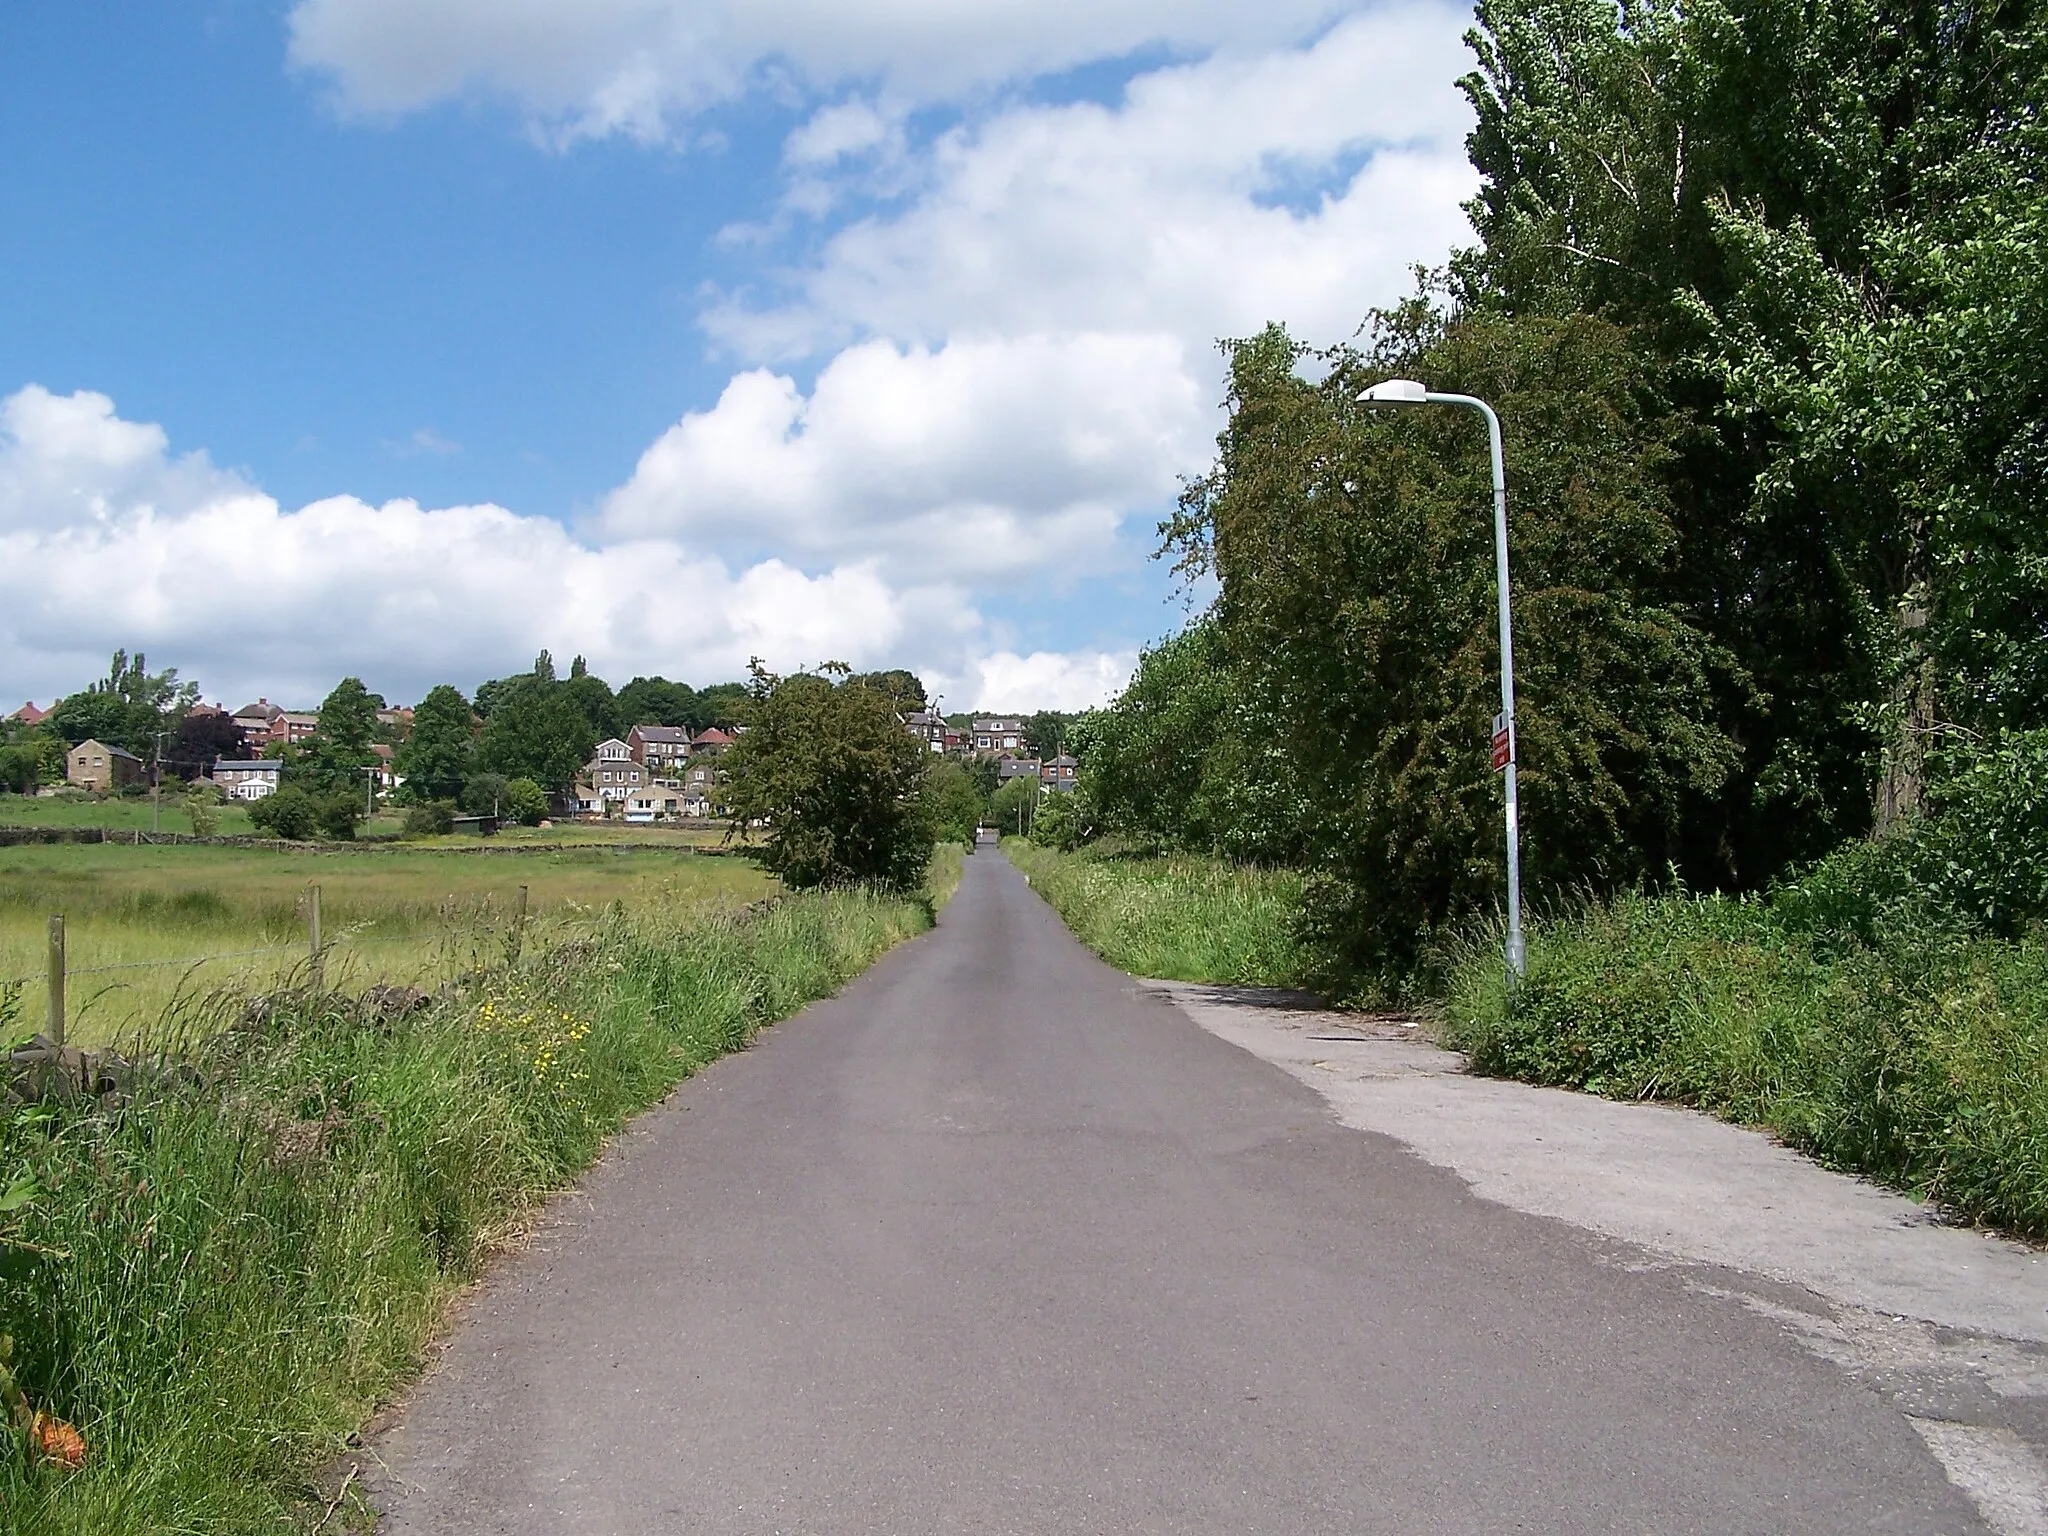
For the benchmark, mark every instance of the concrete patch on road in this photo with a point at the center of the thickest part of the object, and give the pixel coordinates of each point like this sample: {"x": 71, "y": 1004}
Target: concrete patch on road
{"x": 1949, "y": 1324}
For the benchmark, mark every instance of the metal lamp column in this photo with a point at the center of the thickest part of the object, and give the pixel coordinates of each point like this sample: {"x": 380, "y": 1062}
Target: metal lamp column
{"x": 1408, "y": 392}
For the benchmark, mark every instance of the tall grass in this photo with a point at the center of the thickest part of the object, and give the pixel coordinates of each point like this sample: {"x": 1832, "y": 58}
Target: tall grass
{"x": 1180, "y": 917}
{"x": 1918, "y": 1055}
{"x": 141, "y": 922}
{"x": 259, "y": 1245}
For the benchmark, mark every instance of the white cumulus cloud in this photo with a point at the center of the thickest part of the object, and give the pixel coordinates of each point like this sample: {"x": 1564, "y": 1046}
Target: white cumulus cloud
{"x": 984, "y": 457}
{"x": 107, "y": 539}
{"x": 590, "y": 67}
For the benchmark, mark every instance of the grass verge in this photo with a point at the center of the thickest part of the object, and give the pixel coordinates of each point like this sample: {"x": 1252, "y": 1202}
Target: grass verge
{"x": 253, "y": 1250}
{"x": 1180, "y": 917}
{"x": 1918, "y": 1057}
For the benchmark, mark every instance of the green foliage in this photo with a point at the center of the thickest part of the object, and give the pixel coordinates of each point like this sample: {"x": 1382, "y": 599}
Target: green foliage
{"x": 255, "y": 1255}
{"x": 958, "y": 802}
{"x": 1011, "y": 808}
{"x": 333, "y": 762}
{"x": 288, "y": 812}
{"x": 429, "y": 818}
{"x": 1922, "y": 1061}
{"x": 126, "y": 708}
{"x": 202, "y": 808}
{"x": 657, "y": 701}
{"x": 536, "y": 730}
{"x": 1181, "y": 917}
{"x": 483, "y": 794}
{"x": 594, "y": 700}
{"x": 525, "y": 802}
{"x": 1337, "y": 709}
{"x": 436, "y": 756}
{"x": 902, "y": 688}
{"x": 1063, "y": 821}
{"x": 835, "y": 779}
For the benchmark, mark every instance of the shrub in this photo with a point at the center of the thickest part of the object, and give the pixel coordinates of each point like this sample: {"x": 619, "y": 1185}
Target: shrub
{"x": 525, "y": 802}
{"x": 289, "y": 812}
{"x": 429, "y": 818}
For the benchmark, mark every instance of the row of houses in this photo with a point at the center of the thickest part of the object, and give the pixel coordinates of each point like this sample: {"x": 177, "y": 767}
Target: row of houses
{"x": 1000, "y": 737}
{"x": 655, "y": 773}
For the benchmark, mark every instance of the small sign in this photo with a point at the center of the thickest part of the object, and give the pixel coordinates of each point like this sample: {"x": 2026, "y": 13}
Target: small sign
{"x": 1503, "y": 742}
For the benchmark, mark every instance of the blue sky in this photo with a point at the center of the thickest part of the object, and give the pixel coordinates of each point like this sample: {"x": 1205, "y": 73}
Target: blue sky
{"x": 404, "y": 336}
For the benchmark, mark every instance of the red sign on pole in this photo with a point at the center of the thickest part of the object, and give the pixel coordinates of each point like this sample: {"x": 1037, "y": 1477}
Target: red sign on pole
{"x": 1503, "y": 742}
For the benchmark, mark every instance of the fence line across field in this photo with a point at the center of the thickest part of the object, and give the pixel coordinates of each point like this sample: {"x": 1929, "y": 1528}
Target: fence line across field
{"x": 59, "y": 971}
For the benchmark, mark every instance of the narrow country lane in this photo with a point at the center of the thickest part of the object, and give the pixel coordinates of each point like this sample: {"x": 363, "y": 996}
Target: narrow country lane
{"x": 999, "y": 1241}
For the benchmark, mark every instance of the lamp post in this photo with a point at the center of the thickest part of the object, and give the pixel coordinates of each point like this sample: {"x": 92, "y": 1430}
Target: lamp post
{"x": 1408, "y": 392}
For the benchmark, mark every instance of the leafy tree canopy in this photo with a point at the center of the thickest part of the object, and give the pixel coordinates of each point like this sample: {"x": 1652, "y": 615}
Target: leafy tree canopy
{"x": 838, "y": 783}
{"x": 437, "y": 755}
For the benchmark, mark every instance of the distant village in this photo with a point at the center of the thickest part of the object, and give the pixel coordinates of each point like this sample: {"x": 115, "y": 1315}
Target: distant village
{"x": 654, "y": 773}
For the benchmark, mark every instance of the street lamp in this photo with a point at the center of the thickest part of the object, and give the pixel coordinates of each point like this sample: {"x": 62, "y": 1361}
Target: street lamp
{"x": 1408, "y": 392}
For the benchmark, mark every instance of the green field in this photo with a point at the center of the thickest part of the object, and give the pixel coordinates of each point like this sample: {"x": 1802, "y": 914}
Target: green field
{"x": 155, "y": 934}
{"x": 120, "y": 814}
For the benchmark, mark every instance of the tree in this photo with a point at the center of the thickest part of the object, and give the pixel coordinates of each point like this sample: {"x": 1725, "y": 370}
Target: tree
{"x": 483, "y": 794}
{"x": 906, "y": 689}
{"x": 1354, "y": 669}
{"x": 1013, "y": 806}
{"x": 657, "y": 701}
{"x": 1045, "y": 733}
{"x": 537, "y": 732}
{"x": 593, "y": 698}
{"x": 340, "y": 750}
{"x": 837, "y": 781}
{"x": 434, "y": 759}
{"x": 525, "y": 802}
{"x": 126, "y": 708}
{"x": 288, "y": 812}
{"x": 201, "y": 740}
{"x": 958, "y": 802}
{"x": 721, "y": 705}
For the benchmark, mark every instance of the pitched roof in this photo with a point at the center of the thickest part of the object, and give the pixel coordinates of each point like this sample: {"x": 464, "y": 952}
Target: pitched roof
{"x": 262, "y": 709}
{"x": 676, "y": 733}
{"x": 264, "y": 764}
{"x": 28, "y": 714}
{"x": 94, "y": 741}
{"x": 714, "y": 737}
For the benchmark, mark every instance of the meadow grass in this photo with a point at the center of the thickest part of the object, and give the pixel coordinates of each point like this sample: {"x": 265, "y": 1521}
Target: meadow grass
{"x": 256, "y": 1249}
{"x": 140, "y": 922}
{"x": 120, "y": 813}
{"x": 1920, "y": 1059}
{"x": 1179, "y": 917}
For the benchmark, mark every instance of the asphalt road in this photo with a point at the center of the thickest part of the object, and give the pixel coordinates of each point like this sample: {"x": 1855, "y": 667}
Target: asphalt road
{"x": 998, "y": 1241}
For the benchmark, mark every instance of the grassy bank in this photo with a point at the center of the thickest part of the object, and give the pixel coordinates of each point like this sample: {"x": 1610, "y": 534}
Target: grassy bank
{"x": 254, "y": 1250}
{"x": 142, "y": 922}
{"x": 1917, "y": 1056}
{"x": 1182, "y": 918}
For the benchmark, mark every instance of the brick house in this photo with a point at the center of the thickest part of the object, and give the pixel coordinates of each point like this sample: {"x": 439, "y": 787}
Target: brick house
{"x": 1058, "y": 773}
{"x": 660, "y": 749}
{"x": 92, "y": 764}
{"x": 998, "y": 733}
{"x": 291, "y": 727}
{"x": 28, "y": 714}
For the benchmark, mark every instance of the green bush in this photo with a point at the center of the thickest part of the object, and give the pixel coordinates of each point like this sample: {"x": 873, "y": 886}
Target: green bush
{"x": 1920, "y": 1058}
{"x": 288, "y": 812}
{"x": 429, "y": 818}
{"x": 526, "y": 802}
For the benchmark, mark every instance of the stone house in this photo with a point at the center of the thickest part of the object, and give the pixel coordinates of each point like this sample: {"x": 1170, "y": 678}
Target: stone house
{"x": 609, "y": 779}
{"x": 660, "y": 749}
{"x": 92, "y": 764}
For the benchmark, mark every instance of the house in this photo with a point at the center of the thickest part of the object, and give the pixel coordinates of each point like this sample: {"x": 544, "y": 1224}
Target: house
{"x": 28, "y": 714}
{"x": 248, "y": 779}
{"x": 657, "y": 802}
{"x": 92, "y": 764}
{"x": 396, "y": 719}
{"x": 253, "y": 720}
{"x": 1018, "y": 768}
{"x": 1058, "y": 773}
{"x": 290, "y": 727}
{"x": 609, "y": 778}
{"x": 660, "y": 749}
{"x": 387, "y": 779}
{"x": 710, "y": 743}
{"x": 998, "y": 733}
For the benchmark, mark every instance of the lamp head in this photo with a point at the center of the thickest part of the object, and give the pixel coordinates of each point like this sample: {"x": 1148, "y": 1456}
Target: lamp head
{"x": 1395, "y": 392}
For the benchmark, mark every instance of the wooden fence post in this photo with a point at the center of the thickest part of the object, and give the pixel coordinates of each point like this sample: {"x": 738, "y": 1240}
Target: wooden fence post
{"x": 56, "y": 1026}
{"x": 313, "y": 924}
